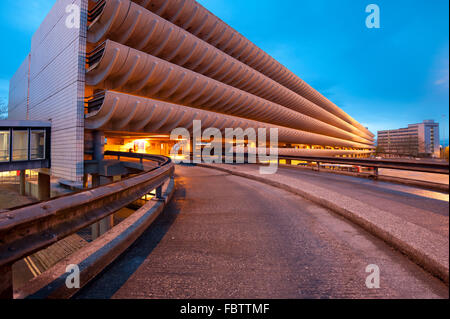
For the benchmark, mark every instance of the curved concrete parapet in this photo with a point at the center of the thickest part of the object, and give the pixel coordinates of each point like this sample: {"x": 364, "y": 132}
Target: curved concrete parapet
{"x": 127, "y": 23}
{"x": 123, "y": 112}
{"x": 128, "y": 70}
{"x": 196, "y": 19}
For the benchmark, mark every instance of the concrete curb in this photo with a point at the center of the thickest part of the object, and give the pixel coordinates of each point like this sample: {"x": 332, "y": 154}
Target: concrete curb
{"x": 97, "y": 255}
{"x": 425, "y": 248}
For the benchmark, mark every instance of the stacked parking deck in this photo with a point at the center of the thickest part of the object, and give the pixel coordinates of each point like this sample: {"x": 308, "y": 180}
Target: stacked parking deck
{"x": 155, "y": 65}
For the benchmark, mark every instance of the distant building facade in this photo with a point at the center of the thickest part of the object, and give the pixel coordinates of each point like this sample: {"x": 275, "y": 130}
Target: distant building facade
{"x": 420, "y": 139}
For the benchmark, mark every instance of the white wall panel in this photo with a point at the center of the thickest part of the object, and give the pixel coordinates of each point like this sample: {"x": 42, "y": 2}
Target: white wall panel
{"x": 18, "y": 93}
{"x": 57, "y": 87}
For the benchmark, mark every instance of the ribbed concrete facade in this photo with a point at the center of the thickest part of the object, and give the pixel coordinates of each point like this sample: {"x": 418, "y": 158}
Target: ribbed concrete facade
{"x": 177, "y": 52}
{"x": 155, "y": 65}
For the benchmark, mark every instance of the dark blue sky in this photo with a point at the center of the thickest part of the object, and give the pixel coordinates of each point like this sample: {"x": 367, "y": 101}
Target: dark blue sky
{"x": 385, "y": 78}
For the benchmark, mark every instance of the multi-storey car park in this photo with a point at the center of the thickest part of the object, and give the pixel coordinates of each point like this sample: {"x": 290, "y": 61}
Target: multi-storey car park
{"x": 135, "y": 70}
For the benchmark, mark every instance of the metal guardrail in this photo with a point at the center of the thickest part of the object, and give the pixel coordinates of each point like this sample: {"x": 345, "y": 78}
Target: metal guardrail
{"x": 425, "y": 166}
{"x": 31, "y": 228}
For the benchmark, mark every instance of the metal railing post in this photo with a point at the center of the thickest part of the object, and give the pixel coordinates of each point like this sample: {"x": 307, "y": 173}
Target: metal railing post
{"x": 11, "y": 145}
{"x": 22, "y": 187}
{"x": 29, "y": 146}
{"x": 159, "y": 194}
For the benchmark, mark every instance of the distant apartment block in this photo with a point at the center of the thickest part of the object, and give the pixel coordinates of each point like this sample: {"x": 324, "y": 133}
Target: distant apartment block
{"x": 420, "y": 139}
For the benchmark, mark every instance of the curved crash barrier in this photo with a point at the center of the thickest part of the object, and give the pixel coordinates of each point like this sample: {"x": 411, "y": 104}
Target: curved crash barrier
{"x": 123, "y": 112}
{"x": 32, "y": 228}
{"x": 194, "y": 18}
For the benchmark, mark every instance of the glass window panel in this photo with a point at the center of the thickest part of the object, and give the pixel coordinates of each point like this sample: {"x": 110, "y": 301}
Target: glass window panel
{"x": 37, "y": 145}
{"x": 4, "y": 146}
{"x": 20, "y": 145}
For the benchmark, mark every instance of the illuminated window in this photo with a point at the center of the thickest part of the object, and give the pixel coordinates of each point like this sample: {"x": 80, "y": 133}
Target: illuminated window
{"x": 20, "y": 145}
{"x": 37, "y": 145}
{"x": 4, "y": 146}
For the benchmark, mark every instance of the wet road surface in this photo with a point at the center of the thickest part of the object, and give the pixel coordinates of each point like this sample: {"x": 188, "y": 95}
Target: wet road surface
{"x": 224, "y": 236}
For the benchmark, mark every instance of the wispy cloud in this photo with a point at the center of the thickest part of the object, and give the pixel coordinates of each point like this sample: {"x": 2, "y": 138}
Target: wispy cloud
{"x": 443, "y": 79}
{"x": 440, "y": 72}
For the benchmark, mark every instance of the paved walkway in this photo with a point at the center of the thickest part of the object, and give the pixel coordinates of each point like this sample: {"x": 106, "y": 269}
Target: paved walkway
{"x": 224, "y": 236}
{"x": 427, "y": 177}
{"x": 9, "y": 197}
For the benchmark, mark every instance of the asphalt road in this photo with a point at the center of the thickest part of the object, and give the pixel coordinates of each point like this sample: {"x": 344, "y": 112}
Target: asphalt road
{"x": 228, "y": 237}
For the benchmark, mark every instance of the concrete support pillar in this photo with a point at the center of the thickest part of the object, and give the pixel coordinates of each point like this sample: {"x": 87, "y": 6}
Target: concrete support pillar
{"x": 6, "y": 283}
{"x": 22, "y": 183}
{"x": 44, "y": 187}
{"x": 246, "y": 158}
{"x": 99, "y": 146}
{"x": 108, "y": 222}
{"x": 159, "y": 193}
{"x": 95, "y": 231}
{"x": 95, "y": 228}
{"x": 98, "y": 155}
{"x": 95, "y": 180}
